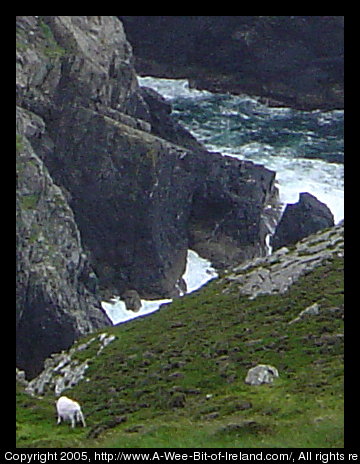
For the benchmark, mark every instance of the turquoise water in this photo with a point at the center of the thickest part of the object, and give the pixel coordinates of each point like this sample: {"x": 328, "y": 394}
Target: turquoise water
{"x": 305, "y": 148}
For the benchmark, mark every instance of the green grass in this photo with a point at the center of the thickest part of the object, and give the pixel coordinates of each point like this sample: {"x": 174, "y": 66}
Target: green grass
{"x": 149, "y": 387}
{"x": 52, "y": 49}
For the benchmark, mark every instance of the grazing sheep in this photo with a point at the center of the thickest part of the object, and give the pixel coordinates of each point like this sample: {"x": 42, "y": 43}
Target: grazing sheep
{"x": 68, "y": 409}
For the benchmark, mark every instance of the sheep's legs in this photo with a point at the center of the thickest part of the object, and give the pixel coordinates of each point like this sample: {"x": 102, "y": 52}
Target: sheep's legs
{"x": 82, "y": 419}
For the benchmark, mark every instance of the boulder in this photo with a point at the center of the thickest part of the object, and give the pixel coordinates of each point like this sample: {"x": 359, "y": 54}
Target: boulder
{"x": 132, "y": 300}
{"x": 262, "y": 373}
{"x": 312, "y": 310}
{"x": 307, "y": 216}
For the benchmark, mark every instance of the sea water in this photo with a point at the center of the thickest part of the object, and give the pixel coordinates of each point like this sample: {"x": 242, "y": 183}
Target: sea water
{"x": 304, "y": 148}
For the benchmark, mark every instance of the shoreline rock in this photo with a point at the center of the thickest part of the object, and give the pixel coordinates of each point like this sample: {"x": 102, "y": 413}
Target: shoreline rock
{"x": 140, "y": 201}
{"x": 307, "y": 216}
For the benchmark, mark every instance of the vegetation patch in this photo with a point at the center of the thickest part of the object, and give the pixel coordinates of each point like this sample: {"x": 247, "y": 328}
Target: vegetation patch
{"x": 176, "y": 377}
{"x": 51, "y": 49}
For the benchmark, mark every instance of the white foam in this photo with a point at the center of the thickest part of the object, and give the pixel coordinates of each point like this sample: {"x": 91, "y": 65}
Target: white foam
{"x": 198, "y": 271}
{"x": 321, "y": 179}
{"x": 117, "y": 312}
{"x": 294, "y": 173}
{"x": 171, "y": 89}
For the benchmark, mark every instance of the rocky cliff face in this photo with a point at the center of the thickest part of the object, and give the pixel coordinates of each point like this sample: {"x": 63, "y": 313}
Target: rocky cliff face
{"x": 56, "y": 297}
{"x": 101, "y": 159}
{"x": 288, "y": 60}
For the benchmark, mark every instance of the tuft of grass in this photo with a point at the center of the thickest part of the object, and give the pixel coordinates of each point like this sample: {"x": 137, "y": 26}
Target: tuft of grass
{"x": 52, "y": 49}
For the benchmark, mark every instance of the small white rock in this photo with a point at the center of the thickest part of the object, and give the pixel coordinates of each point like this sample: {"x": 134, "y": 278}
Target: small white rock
{"x": 260, "y": 374}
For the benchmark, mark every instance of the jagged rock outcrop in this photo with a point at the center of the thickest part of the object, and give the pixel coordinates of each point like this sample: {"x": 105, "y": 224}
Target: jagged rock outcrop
{"x": 138, "y": 200}
{"x": 64, "y": 370}
{"x": 307, "y": 216}
{"x": 141, "y": 202}
{"x": 288, "y": 60}
{"x": 163, "y": 125}
{"x": 277, "y": 272}
{"x": 55, "y": 295}
{"x": 229, "y": 217}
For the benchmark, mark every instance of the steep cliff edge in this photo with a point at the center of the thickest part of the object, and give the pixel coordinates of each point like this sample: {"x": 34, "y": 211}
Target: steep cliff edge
{"x": 56, "y": 298}
{"x": 292, "y": 61}
{"x": 136, "y": 200}
{"x": 133, "y": 194}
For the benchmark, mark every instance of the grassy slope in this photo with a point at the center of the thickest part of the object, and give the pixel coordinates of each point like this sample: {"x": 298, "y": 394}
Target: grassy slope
{"x": 148, "y": 388}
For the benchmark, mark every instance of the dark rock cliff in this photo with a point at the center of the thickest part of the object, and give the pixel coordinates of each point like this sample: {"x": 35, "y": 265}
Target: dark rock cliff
{"x": 118, "y": 178}
{"x": 56, "y": 298}
{"x": 288, "y": 60}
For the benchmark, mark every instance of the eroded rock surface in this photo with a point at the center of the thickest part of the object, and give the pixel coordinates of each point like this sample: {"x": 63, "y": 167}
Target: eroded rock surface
{"x": 56, "y": 298}
{"x": 276, "y": 273}
{"x": 262, "y": 373}
{"x": 64, "y": 370}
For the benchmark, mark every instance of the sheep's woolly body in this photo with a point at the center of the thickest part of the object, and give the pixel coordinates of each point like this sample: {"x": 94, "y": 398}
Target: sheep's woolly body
{"x": 68, "y": 409}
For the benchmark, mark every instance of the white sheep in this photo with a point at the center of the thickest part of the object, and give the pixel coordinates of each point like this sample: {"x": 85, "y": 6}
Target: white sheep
{"x": 68, "y": 409}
